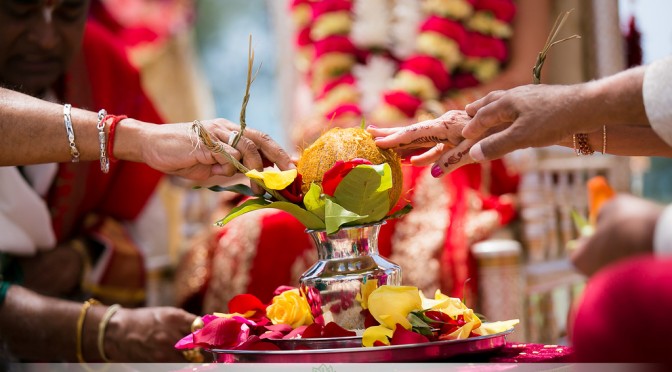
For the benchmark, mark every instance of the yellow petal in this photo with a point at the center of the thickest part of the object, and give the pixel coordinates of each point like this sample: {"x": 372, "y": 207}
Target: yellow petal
{"x": 376, "y": 333}
{"x": 273, "y": 178}
{"x": 463, "y": 332}
{"x": 365, "y": 292}
{"x": 496, "y": 327}
{"x": 392, "y": 304}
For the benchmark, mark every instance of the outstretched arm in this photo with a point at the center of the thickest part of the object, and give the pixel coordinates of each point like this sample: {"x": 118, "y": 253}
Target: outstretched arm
{"x": 33, "y": 132}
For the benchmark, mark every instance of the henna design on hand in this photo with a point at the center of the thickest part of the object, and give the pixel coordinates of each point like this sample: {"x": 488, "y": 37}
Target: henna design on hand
{"x": 454, "y": 159}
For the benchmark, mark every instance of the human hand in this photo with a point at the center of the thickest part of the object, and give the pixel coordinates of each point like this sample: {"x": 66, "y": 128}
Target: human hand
{"x": 439, "y": 140}
{"x": 54, "y": 272}
{"x": 625, "y": 228}
{"x": 147, "y": 334}
{"x": 175, "y": 149}
{"x": 528, "y": 116}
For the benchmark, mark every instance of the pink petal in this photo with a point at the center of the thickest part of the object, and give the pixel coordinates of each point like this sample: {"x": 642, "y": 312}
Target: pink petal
{"x": 187, "y": 342}
{"x": 221, "y": 333}
{"x": 296, "y": 332}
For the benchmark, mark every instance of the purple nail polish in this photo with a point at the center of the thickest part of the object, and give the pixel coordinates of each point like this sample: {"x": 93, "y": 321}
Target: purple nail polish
{"x": 437, "y": 171}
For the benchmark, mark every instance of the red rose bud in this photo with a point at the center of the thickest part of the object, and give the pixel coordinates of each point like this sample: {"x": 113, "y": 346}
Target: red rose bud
{"x": 293, "y": 192}
{"x": 329, "y": 6}
{"x": 504, "y": 10}
{"x": 333, "y": 83}
{"x": 447, "y": 28}
{"x": 483, "y": 46}
{"x": 333, "y": 177}
{"x": 342, "y": 110}
{"x": 334, "y": 44}
{"x": 406, "y": 102}
{"x": 303, "y": 37}
{"x": 431, "y": 67}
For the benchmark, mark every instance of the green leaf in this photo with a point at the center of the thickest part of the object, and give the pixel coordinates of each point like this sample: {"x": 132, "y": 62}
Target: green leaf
{"x": 363, "y": 124}
{"x": 239, "y": 189}
{"x": 405, "y": 210}
{"x": 385, "y": 173}
{"x": 314, "y": 201}
{"x": 336, "y": 216}
{"x": 309, "y": 220}
{"x": 359, "y": 193}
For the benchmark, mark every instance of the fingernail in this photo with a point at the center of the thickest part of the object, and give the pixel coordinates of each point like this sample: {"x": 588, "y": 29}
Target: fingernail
{"x": 437, "y": 171}
{"x": 371, "y": 127}
{"x": 378, "y": 138}
{"x": 476, "y": 153}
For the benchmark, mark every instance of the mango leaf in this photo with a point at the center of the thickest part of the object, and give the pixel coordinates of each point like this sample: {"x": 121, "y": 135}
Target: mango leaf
{"x": 308, "y": 219}
{"x": 385, "y": 173}
{"x": 335, "y": 216}
{"x": 314, "y": 201}
{"x": 359, "y": 192}
{"x": 273, "y": 178}
{"x": 239, "y": 189}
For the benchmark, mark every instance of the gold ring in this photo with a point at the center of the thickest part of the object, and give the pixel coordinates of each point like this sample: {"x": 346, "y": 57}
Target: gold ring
{"x": 197, "y": 324}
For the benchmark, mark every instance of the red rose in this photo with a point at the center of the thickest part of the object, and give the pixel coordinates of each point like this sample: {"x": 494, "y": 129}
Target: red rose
{"x": 333, "y": 83}
{"x": 464, "y": 80}
{"x": 447, "y": 28}
{"x": 329, "y": 6}
{"x": 303, "y": 37}
{"x": 342, "y": 110}
{"x": 504, "y": 10}
{"x": 431, "y": 67}
{"x": 406, "y": 102}
{"x": 243, "y": 303}
{"x": 293, "y": 192}
{"x": 483, "y": 46}
{"x": 334, "y": 44}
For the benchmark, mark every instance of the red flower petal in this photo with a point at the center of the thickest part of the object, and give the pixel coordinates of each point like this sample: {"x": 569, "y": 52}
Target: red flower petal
{"x": 333, "y": 177}
{"x": 483, "y": 46}
{"x": 293, "y": 192}
{"x": 303, "y": 37}
{"x": 298, "y": 331}
{"x": 284, "y": 328}
{"x": 334, "y": 330}
{"x": 431, "y": 67}
{"x": 243, "y": 303}
{"x": 313, "y": 331}
{"x": 334, "y": 44}
{"x": 407, "y": 103}
{"x": 342, "y": 110}
{"x": 263, "y": 346}
{"x": 402, "y": 336}
{"x": 328, "y": 6}
{"x": 348, "y": 79}
{"x": 222, "y": 333}
{"x": 504, "y": 10}
{"x": 378, "y": 343}
{"x": 464, "y": 80}
{"x": 447, "y": 28}
{"x": 369, "y": 320}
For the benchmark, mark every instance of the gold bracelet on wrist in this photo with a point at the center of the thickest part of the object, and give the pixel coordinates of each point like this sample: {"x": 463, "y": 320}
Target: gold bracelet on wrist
{"x": 102, "y": 326}
{"x": 80, "y": 327}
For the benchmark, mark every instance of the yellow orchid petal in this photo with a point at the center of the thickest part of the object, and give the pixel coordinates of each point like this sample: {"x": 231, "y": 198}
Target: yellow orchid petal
{"x": 273, "y": 178}
{"x": 496, "y": 327}
{"x": 390, "y": 305}
{"x": 376, "y": 333}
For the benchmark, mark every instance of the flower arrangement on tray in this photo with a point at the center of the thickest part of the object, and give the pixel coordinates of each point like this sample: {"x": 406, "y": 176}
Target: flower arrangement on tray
{"x": 396, "y": 315}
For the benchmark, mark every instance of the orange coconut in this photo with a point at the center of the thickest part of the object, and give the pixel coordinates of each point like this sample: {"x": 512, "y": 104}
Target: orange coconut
{"x": 347, "y": 144}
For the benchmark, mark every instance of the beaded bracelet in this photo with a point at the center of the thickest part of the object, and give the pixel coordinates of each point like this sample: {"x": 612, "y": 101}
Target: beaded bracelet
{"x": 581, "y": 145}
{"x": 67, "y": 120}
{"x": 102, "y": 140}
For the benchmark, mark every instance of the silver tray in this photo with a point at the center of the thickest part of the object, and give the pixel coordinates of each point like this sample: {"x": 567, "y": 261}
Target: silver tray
{"x": 436, "y": 350}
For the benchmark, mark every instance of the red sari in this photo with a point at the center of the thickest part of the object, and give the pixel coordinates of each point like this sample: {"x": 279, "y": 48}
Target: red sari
{"x": 86, "y": 202}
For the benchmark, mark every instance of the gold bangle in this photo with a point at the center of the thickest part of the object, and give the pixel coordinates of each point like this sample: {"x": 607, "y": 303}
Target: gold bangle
{"x": 604, "y": 139}
{"x": 581, "y": 144}
{"x": 80, "y": 326}
{"x": 101, "y": 330}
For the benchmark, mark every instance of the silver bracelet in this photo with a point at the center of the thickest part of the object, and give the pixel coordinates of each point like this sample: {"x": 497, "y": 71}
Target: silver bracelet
{"x": 74, "y": 153}
{"x": 102, "y": 139}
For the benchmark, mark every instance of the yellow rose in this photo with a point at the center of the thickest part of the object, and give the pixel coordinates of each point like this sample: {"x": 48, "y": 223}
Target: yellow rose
{"x": 440, "y": 47}
{"x": 418, "y": 85}
{"x": 344, "y": 93}
{"x": 301, "y": 15}
{"x": 290, "y": 308}
{"x": 334, "y": 23}
{"x": 458, "y": 9}
{"x": 329, "y": 66}
{"x": 390, "y": 305}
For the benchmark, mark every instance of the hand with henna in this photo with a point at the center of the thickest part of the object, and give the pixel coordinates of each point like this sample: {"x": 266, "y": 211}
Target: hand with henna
{"x": 439, "y": 141}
